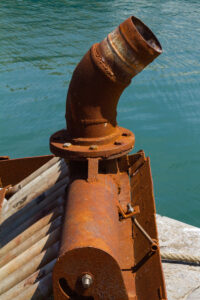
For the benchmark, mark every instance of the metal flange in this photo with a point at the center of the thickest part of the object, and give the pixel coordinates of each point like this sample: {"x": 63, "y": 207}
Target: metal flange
{"x": 61, "y": 144}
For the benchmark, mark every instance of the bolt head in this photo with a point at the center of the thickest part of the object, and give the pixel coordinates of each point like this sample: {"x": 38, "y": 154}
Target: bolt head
{"x": 130, "y": 208}
{"x": 93, "y": 147}
{"x": 66, "y": 145}
{"x": 86, "y": 281}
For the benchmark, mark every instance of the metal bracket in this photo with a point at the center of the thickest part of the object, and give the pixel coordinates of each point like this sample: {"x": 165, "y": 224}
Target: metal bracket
{"x": 126, "y": 215}
{"x": 93, "y": 168}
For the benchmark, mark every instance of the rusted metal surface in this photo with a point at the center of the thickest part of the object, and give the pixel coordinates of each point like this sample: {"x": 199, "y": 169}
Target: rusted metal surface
{"x": 97, "y": 258}
{"x": 29, "y": 242}
{"x": 2, "y": 196}
{"x": 94, "y": 91}
{"x": 28, "y": 280}
{"x": 5, "y": 157}
{"x": 90, "y": 241}
{"x": 109, "y": 245}
{"x": 13, "y": 171}
{"x": 102, "y": 75}
{"x": 147, "y": 267}
{"x": 33, "y": 175}
{"x": 126, "y": 249}
{"x": 94, "y": 224}
{"x": 123, "y": 143}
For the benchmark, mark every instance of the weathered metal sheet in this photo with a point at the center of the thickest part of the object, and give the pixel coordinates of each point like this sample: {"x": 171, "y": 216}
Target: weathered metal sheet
{"x": 12, "y": 171}
{"x": 30, "y": 245}
{"x": 148, "y": 268}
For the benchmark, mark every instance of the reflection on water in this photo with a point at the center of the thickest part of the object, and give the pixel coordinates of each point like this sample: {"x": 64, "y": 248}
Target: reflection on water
{"x": 42, "y": 41}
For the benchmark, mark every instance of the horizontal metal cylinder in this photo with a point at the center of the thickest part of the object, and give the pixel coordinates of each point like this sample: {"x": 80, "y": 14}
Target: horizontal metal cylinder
{"x": 88, "y": 202}
{"x": 90, "y": 240}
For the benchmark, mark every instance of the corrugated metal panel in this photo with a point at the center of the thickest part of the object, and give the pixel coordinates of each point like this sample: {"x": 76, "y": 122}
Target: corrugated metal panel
{"x": 30, "y": 228}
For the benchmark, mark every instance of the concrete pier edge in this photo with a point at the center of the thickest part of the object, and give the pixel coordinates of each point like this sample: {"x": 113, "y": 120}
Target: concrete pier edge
{"x": 182, "y": 279}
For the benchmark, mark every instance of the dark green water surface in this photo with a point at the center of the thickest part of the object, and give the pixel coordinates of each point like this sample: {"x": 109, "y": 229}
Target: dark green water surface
{"x": 42, "y": 41}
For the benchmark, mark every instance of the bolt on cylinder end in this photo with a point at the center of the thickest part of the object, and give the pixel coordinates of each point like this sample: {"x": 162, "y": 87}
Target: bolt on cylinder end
{"x": 86, "y": 281}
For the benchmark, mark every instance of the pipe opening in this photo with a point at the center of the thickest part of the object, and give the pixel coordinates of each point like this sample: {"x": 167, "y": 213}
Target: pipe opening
{"x": 154, "y": 247}
{"x": 147, "y": 34}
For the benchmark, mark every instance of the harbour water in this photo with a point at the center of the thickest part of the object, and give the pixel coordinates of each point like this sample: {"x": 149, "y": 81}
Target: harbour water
{"x": 42, "y": 41}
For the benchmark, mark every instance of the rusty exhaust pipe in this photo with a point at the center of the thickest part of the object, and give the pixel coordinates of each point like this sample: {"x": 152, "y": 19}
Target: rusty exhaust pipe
{"x": 96, "y": 86}
{"x": 97, "y": 257}
{"x": 102, "y": 75}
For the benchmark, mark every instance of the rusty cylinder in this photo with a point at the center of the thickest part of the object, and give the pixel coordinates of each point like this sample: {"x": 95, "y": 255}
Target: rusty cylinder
{"x": 101, "y": 77}
{"x": 90, "y": 242}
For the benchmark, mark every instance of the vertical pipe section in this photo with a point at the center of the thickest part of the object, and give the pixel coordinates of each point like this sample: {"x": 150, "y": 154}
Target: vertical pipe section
{"x": 103, "y": 74}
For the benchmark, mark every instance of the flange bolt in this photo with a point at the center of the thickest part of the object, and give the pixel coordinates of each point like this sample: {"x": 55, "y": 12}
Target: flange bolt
{"x": 93, "y": 147}
{"x": 86, "y": 281}
{"x": 67, "y": 145}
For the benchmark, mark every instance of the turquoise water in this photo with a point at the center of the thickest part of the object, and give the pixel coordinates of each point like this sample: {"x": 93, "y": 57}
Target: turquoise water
{"x": 40, "y": 45}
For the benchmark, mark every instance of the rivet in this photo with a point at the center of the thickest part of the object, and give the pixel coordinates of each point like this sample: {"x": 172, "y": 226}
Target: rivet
{"x": 66, "y": 145}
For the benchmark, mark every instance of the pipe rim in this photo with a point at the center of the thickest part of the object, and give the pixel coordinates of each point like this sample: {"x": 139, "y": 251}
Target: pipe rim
{"x": 143, "y": 30}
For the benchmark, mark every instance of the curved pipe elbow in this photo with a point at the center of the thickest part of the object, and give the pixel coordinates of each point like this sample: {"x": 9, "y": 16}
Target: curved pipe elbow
{"x": 101, "y": 77}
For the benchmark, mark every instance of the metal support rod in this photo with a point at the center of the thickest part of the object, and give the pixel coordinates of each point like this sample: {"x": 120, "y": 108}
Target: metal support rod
{"x": 146, "y": 235}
